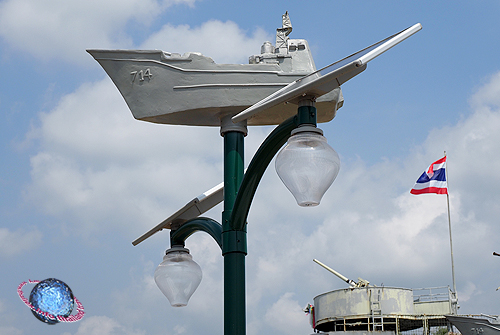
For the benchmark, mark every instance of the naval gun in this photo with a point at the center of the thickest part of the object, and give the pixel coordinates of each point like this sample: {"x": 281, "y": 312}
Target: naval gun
{"x": 361, "y": 282}
{"x": 363, "y": 308}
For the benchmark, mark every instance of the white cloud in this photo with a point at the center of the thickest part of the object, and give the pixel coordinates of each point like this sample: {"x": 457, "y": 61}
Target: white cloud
{"x": 103, "y": 325}
{"x": 10, "y": 331}
{"x": 19, "y": 241}
{"x": 99, "y": 167}
{"x": 6, "y": 317}
{"x": 287, "y": 317}
{"x": 370, "y": 226}
{"x": 487, "y": 95}
{"x": 62, "y": 30}
{"x": 105, "y": 172}
{"x": 467, "y": 292}
{"x": 92, "y": 150}
{"x": 225, "y": 42}
{"x": 143, "y": 301}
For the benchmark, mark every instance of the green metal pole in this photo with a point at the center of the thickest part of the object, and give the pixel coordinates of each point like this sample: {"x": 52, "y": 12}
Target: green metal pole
{"x": 234, "y": 244}
{"x": 234, "y": 239}
{"x": 256, "y": 169}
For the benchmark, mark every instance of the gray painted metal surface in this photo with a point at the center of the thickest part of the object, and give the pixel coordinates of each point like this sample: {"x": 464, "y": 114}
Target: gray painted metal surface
{"x": 383, "y": 308}
{"x": 469, "y": 325}
{"x": 359, "y": 332}
{"x": 361, "y": 301}
{"x": 191, "y": 210}
{"x": 434, "y": 301}
{"x": 191, "y": 89}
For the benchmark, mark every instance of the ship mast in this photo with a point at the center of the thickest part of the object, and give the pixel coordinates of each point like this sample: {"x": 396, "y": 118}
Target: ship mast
{"x": 282, "y": 34}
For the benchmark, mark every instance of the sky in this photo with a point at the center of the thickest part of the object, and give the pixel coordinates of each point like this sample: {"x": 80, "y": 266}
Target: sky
{"x": 80, "y": 178}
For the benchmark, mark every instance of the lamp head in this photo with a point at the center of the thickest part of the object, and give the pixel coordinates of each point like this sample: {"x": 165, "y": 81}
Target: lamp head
{"x": 178, "y": 276}
{"x": 307, "y": 165}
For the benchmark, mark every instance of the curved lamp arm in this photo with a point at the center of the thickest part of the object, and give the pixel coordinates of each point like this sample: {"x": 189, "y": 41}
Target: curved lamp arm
{"x": 207, "y": 225}
{"x": 256, "y": 169}
{"x": 306, "y": 114}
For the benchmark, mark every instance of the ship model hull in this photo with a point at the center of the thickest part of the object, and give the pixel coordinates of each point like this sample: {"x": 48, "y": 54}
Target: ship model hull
{"x": 193, "y": 90}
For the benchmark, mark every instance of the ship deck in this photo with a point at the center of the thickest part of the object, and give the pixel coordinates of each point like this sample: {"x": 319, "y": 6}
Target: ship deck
{"x": 394, "y": 323}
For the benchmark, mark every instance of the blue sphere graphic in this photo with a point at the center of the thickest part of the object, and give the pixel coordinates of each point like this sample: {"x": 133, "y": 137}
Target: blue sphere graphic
{"x": 51, "y": 296}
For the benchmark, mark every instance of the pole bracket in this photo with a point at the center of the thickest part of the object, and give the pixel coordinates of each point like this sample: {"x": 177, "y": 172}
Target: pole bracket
{"x": 234, "y": 241}
{"x": 207, "y": 225}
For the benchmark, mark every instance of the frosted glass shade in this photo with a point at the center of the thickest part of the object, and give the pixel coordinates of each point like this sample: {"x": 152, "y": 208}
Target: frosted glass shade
{"x": 307, "y": 165}
{"x": 178, "y": 276}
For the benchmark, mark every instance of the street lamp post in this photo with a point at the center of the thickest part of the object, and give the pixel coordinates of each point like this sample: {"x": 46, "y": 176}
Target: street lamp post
{"x": 234, "y": 240}
{"x": 239, "y": 189}
{"x": 169, "y": 88}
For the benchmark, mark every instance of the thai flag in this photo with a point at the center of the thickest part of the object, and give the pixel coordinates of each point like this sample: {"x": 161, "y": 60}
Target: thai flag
{"x": 433, "y": 180}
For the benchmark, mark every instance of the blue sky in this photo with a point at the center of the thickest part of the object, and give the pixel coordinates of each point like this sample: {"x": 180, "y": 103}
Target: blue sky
{"x": 81, "y": 179}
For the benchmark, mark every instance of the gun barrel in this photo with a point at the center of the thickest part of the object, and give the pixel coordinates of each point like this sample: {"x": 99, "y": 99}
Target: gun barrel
{"x": 344, "y": 278}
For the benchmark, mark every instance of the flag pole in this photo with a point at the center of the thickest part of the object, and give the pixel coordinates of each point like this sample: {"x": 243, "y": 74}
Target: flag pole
{"x": 449, "y": 227}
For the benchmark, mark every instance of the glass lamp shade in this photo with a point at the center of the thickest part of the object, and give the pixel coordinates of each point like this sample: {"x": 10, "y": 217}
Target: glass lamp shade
{"x": 178, "y": 276}
{"x": 307, "y": 165}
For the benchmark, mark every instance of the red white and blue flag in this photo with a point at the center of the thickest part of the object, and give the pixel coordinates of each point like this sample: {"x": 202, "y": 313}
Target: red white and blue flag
{"x": 433, "y": 180}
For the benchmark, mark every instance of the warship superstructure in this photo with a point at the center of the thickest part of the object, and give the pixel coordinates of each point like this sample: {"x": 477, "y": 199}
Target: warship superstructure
{"x": 363, "y": 308}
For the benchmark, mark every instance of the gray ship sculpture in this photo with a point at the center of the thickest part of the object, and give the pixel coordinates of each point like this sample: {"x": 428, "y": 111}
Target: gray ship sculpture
{"x": 191, "y": 89}
{"x": 197, "y": 91}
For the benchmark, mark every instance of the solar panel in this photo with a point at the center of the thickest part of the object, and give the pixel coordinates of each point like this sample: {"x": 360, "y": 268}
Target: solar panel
{"x": 328, "y": 78}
